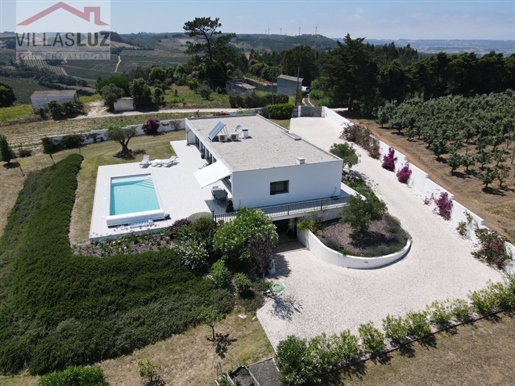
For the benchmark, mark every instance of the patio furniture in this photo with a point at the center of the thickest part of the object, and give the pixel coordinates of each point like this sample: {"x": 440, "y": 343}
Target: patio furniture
{"x": 219, "y": 194}
{"x": 170, "y": 161}
{"x": 145, "y": 161}
{"x": 157, "y": 162}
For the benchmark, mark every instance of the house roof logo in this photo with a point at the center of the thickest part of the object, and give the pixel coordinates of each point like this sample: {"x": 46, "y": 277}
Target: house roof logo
{"x": 85, "y": 15}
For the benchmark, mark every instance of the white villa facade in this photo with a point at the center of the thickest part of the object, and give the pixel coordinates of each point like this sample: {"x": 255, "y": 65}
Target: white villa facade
{"x": 263, "y": 165}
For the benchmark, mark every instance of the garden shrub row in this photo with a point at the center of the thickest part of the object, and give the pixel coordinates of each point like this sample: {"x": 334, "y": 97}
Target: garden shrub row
{"x": 279, "y": 111}
{"x": 307, "y": 361}
{"x": 255, "y": 100}
{"x": 65, "y": 310}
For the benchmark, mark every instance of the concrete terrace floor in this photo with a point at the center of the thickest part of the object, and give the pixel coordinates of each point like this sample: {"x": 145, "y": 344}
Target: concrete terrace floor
{"x": 320, "y": 297}
{"x": 178, "y": 191}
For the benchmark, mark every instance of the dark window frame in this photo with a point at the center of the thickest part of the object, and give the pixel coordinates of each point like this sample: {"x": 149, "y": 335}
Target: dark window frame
{"x": 279, "y": 187}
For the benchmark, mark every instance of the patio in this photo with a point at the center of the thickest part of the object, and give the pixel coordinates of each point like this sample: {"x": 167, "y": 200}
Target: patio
{"x": 177, "y": 189}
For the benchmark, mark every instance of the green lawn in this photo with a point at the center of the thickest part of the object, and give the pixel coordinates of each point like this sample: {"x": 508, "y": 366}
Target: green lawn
{"x": 189, "y": 98}
{"x": 15, "y": 112}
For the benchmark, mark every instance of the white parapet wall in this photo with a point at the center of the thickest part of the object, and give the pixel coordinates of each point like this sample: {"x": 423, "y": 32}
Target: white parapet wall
{"x": 328, "y": 255}
{"x": 422, "y": 186}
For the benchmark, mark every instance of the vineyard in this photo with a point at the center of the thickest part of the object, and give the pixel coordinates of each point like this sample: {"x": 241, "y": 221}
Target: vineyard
{"x": 39, "y": 63}
{"x": 23, "y": 88}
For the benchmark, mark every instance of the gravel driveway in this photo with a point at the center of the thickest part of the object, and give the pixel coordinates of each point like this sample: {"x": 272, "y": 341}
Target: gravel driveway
{"x": 320, "y": 297}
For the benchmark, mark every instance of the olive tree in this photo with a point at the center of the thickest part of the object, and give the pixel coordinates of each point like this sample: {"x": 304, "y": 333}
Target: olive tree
{"x": 122, "y": 136}
{"x": 359, "y": 211}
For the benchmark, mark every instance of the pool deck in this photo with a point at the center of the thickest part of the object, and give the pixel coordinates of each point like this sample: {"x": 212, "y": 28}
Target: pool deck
{"x": 177, "y": 189}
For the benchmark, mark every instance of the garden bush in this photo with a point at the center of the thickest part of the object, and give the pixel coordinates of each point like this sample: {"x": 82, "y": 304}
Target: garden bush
{"x": 395, "y": 328}
{"x": 440, "y": 313}
{"x": 372, "y": 338}
{"x": 461, "y": 309}
{"x": 491, "y": 248}
{"x": 254, "y": 100}
{"x": 220, "y": 274}
{"x": 193, "y": 253}
{"x": 243, "y": 284}
{"x": 418, "y": 324}
{"x": 389, "y": 160}
{"x": 75, "y": 376}
{"x": 151, "y": 126}
{"x": 403, "y": 174}
{"x": 70, "y": 310}
{"x": 444, "y": 205}
{"x": 175, "y": 227}
{"x": 279, "y": 111}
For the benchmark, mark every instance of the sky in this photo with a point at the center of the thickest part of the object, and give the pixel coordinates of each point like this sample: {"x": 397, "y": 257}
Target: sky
{"x": 379, "y": 19}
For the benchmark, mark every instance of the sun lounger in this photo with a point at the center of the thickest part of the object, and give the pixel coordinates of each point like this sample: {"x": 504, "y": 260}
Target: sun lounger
{"x": 170, "y": 161}
{"x": 157, "y": 162}
{"x": 145, "y": 161}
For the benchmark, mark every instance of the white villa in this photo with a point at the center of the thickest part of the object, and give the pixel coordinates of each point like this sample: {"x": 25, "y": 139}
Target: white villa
{"x": 226, "y": 163}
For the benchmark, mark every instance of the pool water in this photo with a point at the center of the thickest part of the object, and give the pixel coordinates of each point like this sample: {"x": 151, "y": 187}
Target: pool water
{"x": 132, "y": 194}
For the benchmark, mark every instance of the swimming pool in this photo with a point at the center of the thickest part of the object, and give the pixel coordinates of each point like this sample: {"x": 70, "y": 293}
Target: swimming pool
{"x": 133, "y": 199}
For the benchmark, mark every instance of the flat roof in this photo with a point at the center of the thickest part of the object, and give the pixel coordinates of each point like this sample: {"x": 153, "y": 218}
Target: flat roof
{"x": 53, "y": 93}
{"x": 268, "y": 145}
{"x": 291, "y": 78}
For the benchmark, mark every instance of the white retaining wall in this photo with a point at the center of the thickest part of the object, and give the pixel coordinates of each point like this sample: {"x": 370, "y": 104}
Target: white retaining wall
{"x": 311, "y": 242}
{"x": 422, "y": 185}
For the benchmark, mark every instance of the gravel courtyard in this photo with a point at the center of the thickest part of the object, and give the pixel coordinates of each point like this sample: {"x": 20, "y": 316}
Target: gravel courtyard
{"x": 320, "y": 297}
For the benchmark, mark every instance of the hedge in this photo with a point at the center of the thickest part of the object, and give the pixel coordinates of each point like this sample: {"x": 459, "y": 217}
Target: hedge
{"x": 61, "y": 310}
{"x": 279, "y": 111}
{"x": 255, "y": 100}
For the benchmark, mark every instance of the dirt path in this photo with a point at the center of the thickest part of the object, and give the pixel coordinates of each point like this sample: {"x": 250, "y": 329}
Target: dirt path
{"x": 497, "y": 209}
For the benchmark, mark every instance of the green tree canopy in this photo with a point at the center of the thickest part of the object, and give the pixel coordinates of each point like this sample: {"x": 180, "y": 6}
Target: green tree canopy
{"x": 141, "y": 93}
{"x": 233, "y": 237}
{"x": 347, "y": 153}
{"x": 7, "y": 97}
{"x": 122, "y": 136}
{"x": 110, "y": 93}
{"x": 359, "y": 212}
{"x": 119, "y": 81}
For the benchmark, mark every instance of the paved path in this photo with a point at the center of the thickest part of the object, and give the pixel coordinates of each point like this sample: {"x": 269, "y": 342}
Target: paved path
{"x": 192, "y": 111}
{"x": 320, "y": 297}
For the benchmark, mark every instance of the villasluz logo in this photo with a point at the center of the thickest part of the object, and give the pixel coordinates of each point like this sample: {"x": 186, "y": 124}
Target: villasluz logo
{"x": 73, "y": 30}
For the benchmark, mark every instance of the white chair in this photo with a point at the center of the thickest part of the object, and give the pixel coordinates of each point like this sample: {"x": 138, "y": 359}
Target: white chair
{"x": 145, "y": 161}
{"x": 170, "y": 161}
{"x": 157, "y": 162}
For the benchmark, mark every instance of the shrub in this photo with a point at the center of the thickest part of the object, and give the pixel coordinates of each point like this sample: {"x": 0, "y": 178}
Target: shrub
{"x": 243, "y": 284}
{"x": 49, "y": 146}
{"x": 347, "y": 153}
{"x": 193, "y": 253}
{"x": 444, "y": 205}
{"x": 389, "y": 160}
{"x": 280, "y": 111}
{"x": 462, "y": 228}
{"x": 395, "y": 328}
{"x": 440, "y": 313}
{"x": 360, "y": 212}
{"x": 418, "y": 324}
{"x": 175, "y": 227}
{"x": 75, "y": 376}
{"x": 345, "y": 346}
{"x": 404, "y": 174}
{"x": 220, "y": 274}
{"x": 147, "y": 369}
{"x": 373, "y": 148}
{"x": 491, "y": 248}
{"x": 6, "y": 153}
{"x": 71, "y": 141}
{"x": 307, "y": 223}
{"x": 151, "y": 126}
{"x": 461, "y": 309}
{"x": 486, "y": 300}
{"x": 233, "y": 237}
{"x": 372, "y": 338}
{"x": 291, "y": 361}
{"x": 204, "y": 91}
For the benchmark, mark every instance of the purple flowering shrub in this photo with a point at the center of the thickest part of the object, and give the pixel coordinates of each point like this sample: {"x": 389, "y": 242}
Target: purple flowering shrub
{"x": 389, "y": 160}
{"x": 404, "y": 174}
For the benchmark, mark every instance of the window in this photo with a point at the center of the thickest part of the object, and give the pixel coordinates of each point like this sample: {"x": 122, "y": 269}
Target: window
{"x": 279, "y": 187}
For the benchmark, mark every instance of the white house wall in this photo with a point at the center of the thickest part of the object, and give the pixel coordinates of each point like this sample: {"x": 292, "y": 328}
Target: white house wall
{"x": 251, "y": 188}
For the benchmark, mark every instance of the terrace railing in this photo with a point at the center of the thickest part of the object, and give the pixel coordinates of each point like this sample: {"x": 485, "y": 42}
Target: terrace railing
{"x": 295, "y": 209}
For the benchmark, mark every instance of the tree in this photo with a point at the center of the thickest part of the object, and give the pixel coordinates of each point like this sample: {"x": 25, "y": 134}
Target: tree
{"x": 55, "y": 109}
{"x": 122, "y": 136}
{"x": 119, "y": 81}
{"x": 360, "y": 212}
{"x": 158, "y": 96}
{"x": 210, "y": 316}
{"x": 347, "y": 153}
{"x": 6, "y": 153}
{"x": 487, "y": 176}
{"x": 147, "y": 369}
{"x": 351, "y": 72}
{"x": 7, "y": 97}
{"x": 207, "y": 37}
{"x": 141, "y": 93}
{"x": 232, "y": 237}
{"x": 454, "y": 161}
{"x": 261, "y": 252}
{"x": 110, "y": 93}
{"x": 204, "y": 91}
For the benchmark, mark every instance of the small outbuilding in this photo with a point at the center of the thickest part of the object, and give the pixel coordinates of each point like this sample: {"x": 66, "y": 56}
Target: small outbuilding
{"x": 41, "y": 98}
{"x": 288, "y": 85}
{"x": 123, "y": 104}
{"x": 239, "y": 86}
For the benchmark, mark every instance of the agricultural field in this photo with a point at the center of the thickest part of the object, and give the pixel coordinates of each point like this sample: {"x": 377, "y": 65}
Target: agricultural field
{"x": 188, "y": 98}
{"x": 15, "y": 112}
{"x": 44, "y": 65}
{"x": 23, "y": 88}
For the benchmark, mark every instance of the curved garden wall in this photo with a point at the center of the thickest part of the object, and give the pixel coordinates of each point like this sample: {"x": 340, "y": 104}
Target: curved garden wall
{"x": 310, "y": 241}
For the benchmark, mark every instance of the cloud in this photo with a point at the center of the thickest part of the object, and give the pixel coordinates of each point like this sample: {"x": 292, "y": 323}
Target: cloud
{"x": 360, "y": 10}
